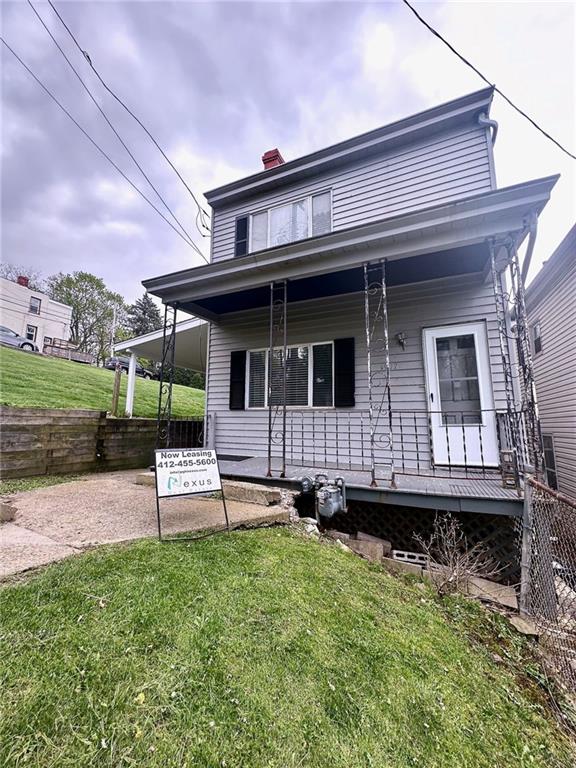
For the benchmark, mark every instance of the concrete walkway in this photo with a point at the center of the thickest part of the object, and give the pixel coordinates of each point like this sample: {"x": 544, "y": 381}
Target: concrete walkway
{"x": 62, "y": 520}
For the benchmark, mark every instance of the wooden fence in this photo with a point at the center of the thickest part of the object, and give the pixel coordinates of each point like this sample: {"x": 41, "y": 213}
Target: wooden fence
{"x": 45, "y": 441}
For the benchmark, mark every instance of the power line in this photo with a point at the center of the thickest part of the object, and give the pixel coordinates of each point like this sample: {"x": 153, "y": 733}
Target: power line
{"x": 105, "y": 116}
{"x": 91, "y": 140}
{"x": 201, "y": 211}
{"x": 477, "y": 71}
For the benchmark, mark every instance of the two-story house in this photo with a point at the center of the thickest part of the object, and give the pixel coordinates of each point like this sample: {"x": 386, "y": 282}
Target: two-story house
{"x": 359, "y": 322}
{"x": 551, "y": 307}
{"x": 33, "y": 314}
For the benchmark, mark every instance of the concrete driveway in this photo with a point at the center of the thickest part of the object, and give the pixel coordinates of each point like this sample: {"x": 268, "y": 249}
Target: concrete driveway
{"x": 61, "y": 520}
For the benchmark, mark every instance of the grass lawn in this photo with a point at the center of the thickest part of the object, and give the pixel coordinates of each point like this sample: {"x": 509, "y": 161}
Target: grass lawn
{"x": 258, "y": 649}
{"x": 28, "y": 380}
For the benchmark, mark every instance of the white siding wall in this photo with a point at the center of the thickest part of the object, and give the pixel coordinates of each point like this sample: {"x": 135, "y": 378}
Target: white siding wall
{"x": 555, "y": 373}
{"x": 411, "y": 309}
{"x": 440, "y": 169}
{"x": 53, "y": 321}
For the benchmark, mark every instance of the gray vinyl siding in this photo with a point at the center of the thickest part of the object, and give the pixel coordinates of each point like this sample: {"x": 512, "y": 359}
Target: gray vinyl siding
{"x": 442, "y": 168}
{"x": 411, "y": 309}
{"x": 555, "y": 374}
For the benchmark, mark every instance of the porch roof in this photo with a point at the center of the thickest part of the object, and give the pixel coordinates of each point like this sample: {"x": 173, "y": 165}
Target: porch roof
{"x": 189, "y": 350}
{"x": 438, "y": 241}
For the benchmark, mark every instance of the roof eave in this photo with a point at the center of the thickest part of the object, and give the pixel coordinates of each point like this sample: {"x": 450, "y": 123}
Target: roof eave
{"x": 461, "y": 110}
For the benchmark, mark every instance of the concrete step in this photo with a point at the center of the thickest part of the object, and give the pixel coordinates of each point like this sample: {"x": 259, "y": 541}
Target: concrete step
{"x": 235, "y": 490}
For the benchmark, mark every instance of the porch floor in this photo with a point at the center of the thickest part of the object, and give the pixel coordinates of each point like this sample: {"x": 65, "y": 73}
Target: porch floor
{"x": 487, "y": 488}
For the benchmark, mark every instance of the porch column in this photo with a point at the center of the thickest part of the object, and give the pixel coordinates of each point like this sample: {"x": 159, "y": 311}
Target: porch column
{"x": 131, "y": 384}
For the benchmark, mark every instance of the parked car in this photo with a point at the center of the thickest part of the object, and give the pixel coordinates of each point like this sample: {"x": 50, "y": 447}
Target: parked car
{"x": 12, "y": 339}
{"x": 124, "y": 363}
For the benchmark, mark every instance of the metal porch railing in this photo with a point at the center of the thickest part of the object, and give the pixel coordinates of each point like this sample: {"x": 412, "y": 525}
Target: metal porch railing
{"x": 340, "y": 440}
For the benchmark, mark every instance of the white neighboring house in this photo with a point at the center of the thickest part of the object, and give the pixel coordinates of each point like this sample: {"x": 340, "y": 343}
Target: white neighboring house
{"x": 33, "y": 314}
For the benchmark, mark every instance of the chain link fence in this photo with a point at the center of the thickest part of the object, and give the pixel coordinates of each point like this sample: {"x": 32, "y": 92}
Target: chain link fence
{"x": 548, "y": 573}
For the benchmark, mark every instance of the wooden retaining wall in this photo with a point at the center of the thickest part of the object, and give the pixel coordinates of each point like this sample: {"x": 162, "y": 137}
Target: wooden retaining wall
{"x": 46, "y": 441}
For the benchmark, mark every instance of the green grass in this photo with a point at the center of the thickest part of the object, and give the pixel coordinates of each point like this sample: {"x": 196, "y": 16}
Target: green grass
{"x": 258, "y": 649}
{"x": 31, "y": 483}
{"x": 29, "y": 381}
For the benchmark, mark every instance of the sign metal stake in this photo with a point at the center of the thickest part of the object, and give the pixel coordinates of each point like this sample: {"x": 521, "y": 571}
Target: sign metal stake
{"x": 183, "y": 472}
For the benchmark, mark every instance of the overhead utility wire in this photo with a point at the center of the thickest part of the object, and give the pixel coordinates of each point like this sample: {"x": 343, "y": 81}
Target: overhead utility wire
{"x": 91, "y": 140}
{"x": 201, "y": 211}
{"x": 477, "y": 71}
{"x": 105, "y": 116}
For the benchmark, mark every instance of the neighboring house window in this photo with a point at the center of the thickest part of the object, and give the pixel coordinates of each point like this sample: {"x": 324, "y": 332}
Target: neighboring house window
{"x": 309, "y": 376}
{"x": 550, "y": 461}
{"x": 35, "y": 305}
{"x": 536, "y": 338}
{"x": 31, "y": 332}
{"x": 308, "y": 217}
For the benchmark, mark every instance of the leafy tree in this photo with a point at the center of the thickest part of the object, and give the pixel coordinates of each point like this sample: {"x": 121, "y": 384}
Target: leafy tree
{"x": 188, "y": 378}
{"x": 143, "y": 316}
{"x": 13, "y": 271}
{"x": 97, "y": 312}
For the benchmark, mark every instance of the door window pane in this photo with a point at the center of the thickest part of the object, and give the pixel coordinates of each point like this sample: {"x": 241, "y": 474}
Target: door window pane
{"x": 321, "y": 222}
{"x": 458, "y": 380}
{"x": 260, "y": 231}
{"x": 322, "y": 375}
{"x": 257, "y": 379}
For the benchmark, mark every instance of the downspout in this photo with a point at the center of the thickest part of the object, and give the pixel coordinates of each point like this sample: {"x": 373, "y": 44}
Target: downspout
{"x": 533, "y": 230}
{"x": 483, "y": 119}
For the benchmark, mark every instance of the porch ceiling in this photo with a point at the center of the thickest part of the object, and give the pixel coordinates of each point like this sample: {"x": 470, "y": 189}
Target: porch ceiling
{"x": 447, "y": 239}
{"x": 459, "y": 261}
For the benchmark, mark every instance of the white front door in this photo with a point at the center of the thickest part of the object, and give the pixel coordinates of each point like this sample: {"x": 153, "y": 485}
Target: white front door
{"x": 460, "y": 400}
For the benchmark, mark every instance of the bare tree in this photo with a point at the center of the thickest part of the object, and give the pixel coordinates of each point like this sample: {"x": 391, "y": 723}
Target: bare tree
{"x": 452, "y": 560}
{"x": 13, "y": 271}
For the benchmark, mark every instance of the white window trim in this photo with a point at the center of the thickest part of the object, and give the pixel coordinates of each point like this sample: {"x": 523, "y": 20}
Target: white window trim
{"x": 308, "y": 407}
{"x": 29, "y": 325}
{"x": 35, "y": 312}
{"x": 291, "y": 201}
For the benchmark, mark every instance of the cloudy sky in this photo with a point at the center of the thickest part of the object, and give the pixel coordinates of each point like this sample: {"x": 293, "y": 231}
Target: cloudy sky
{"x": 219, "y": 83}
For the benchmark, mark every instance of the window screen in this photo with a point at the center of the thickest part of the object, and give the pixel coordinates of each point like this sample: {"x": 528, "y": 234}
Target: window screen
{"x": 259, "y": 231}
{"x": 321, "y": 218}
{"x": 35, "y": 305}
{"x": 257, "y": 379}
{"x": 296, "y": 376}
{"x": 536, "y": 338}
{"x": 550, "y": 461}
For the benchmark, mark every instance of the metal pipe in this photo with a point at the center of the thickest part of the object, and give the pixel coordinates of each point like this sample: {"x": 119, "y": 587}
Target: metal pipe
{"x": 284, "y": 367}
{"x": 533, "y": 231}
{"x": 269, "y": 387}
{"x": 483, "y": 119}
{"x": 369, "y": 364}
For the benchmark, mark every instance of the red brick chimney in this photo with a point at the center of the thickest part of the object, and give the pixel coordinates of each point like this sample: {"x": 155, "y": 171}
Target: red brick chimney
{"x": 272, "y": 158}
{"x": 21, "y": 280}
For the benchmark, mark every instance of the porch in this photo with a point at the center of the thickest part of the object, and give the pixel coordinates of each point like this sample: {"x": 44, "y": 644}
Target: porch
{"x": 434, "y": 277}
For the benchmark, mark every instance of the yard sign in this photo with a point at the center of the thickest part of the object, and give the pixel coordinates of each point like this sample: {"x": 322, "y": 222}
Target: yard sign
{"x": 186, "y": 472}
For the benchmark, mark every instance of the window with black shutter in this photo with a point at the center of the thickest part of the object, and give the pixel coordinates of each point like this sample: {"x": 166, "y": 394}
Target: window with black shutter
{"x": 241, "y": 244}
{"x": 237, "y": 380}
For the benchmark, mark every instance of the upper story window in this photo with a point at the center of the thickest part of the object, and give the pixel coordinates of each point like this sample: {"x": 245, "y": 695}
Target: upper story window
{"x": 536, "y": 338}
{"x": 306, "y": 217}
{"x": 35, "y": 305}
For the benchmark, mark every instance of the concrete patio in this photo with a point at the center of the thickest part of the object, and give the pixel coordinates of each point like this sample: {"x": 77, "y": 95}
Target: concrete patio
{"x": 62, "y": 520}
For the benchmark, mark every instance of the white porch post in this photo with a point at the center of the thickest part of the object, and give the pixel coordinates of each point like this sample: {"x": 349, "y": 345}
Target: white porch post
{"x": 130, "y": 385}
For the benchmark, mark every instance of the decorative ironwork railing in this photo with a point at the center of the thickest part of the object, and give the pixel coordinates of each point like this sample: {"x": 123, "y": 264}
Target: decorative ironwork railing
{"x": 455, "y": 445}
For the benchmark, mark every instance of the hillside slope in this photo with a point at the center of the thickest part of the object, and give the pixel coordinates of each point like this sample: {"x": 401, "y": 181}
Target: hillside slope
{"x": 28, "y": 380}
{"x": 258, "y": 649}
